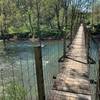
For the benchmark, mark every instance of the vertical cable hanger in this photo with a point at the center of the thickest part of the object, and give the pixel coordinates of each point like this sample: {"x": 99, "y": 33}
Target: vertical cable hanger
{"x": 2, "y": 83}
{"x": 13, "y": 80}
{"x": 92, "y": 13}
{"x": 22, "y": 80}
{"x": 29, "y": 80}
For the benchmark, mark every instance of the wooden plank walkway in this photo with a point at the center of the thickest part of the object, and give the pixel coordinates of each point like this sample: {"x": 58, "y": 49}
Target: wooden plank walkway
{"x": 72, "y": 83}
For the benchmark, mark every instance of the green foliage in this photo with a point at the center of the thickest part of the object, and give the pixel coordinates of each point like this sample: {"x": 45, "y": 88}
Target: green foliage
{"x": 14, "y": 91}
{"x": 29, "y": 15}
{"x": 18, "y": 30}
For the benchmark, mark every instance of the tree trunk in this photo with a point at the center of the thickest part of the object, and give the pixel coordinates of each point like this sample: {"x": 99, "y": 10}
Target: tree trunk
{"x": 38, "y": 19}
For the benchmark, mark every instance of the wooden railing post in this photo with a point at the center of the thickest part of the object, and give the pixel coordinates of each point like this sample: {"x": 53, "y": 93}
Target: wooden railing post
{"x": 39, "y": 73}
{"x": 98, "y": 82}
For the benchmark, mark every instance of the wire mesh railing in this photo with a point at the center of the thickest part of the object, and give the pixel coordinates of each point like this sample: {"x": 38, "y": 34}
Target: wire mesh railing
{"x": 18, "y": 71}
{"x": 18, "y": 74}
{"x": 51, "y": 54}
{"x": 93, "y": 68}
{"x": 93, "y": 61}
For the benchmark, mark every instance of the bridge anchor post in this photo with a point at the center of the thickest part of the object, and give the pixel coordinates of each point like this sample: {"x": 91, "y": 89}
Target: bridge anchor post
{"x": 39, "y": 73}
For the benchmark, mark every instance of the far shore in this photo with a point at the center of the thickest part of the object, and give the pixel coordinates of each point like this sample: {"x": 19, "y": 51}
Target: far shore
{"x": 32, "y": 39}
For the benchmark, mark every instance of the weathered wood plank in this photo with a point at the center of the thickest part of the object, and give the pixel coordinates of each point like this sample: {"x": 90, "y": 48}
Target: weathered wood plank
{"x": 59, "y": 95}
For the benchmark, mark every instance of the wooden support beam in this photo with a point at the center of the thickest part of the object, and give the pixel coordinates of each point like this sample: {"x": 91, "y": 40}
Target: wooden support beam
{"x": 39, "y": 73}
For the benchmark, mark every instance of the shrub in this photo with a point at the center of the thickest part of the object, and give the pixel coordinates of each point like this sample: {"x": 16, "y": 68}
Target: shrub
{"x": 14, "y": 91}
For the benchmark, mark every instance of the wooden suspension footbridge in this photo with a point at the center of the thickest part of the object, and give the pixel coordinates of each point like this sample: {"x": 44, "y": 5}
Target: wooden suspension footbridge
{"x": 72, "y": 83}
